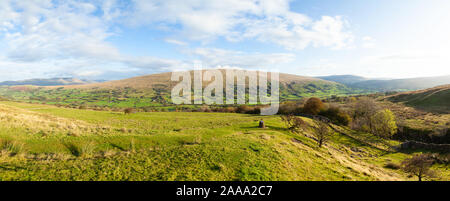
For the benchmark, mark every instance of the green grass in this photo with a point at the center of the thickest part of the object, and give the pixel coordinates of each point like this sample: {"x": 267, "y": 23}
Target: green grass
{"x": 102, "y": 145}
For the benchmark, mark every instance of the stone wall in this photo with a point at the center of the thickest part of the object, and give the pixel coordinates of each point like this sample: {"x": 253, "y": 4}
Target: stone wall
{"x": 428, "y": 146}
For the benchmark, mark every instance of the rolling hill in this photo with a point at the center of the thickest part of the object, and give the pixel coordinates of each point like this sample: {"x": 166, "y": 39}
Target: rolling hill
{"x": 154, "y": 90}
{"x": 389, "y": 84}
{"x": 344, "y": 79}
{"x": 163, "y": 79}
{"x": 435, "y": 99}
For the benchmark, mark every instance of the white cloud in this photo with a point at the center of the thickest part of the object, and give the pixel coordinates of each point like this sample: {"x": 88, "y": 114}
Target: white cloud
{"x": 213, "y": 57}
{"x": 50, "y": 38}
{"x": 235, "y": 20}
{"x": 175, "y": 42}
{"x": 89, "y": 73}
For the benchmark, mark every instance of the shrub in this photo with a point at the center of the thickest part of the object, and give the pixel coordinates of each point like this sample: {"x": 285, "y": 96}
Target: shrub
{"x": 87, "y": 149}
{"x": 254, "y": 110}
{"x": 230, "y": 109}
{"x": 293, "y": 123}
{"x": 290, "y": 108}
{"x": 383, "y": 124}
{"x": 243, "y": 109}
{"x": 336, "y": 116}
{"x": 204, "y": 108}
{"x": 12, "y": 147}
{"x": 129, "y": 111}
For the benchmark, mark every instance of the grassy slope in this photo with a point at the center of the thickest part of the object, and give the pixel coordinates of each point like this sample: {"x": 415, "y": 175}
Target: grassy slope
{"x": 435, "y": 99}
{"x": 53, "y": 143}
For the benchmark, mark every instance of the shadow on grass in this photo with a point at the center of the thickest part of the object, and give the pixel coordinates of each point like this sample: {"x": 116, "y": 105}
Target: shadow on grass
{"x": 117, "y": 147}
{"x": 73, "y": 149}
{"x": 13, "y": 168}
{"x": 274, "y": 128}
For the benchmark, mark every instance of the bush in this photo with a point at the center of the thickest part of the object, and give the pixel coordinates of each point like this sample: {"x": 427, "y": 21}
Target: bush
{"x": 336, "y": 116}
{"x": 12, "y": 147}
{"x": 129, "y": 111}
{"x": 230, "y": 109}
{"x": 254, "y": 110}
{"x": 293, "y": 123}
{"x": 87, "y": 149}
{"x": 290, "y": 108}
{"x": 383, "y": 124}
{"x": 243, "y": 109}
{"x": 204, "y": 108}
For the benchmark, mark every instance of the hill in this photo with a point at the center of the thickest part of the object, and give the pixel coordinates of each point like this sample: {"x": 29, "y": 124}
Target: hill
{"x": 436, "y": 99}
{"x": 373, "y": 85}
{"x": 41, "y": 142}
{"x": 344, "y": 79}
{"x": 154, "y": 90}
{"x": 163, "y": 79}
{"x": 48, "y": 82}
{"x": 403, "y": 84}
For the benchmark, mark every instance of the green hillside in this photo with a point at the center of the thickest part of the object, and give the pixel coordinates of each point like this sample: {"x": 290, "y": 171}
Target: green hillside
{"x": 434, "y": 99}
{"x": 40, "y": 142}
{"x": 154, "y": 91}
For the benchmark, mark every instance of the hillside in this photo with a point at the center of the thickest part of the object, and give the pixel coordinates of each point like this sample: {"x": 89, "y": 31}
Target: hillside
{"x": 435, "y": 99}
{"x": 374, "y": 85}
{"x": 154, "y": 90}
{"x": 163, "y": 79}
{"x": 403, "y": 84}
{"x": 40, "y": 142}
{"x": 48, "y": 82}
{"x": 344, "y": 79}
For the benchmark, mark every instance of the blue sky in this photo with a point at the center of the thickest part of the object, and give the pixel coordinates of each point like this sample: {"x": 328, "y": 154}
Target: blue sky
{"x": 109, "y": 39}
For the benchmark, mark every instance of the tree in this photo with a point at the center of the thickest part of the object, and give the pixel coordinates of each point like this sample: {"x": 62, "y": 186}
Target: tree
{"x": 337, "y": 116}
{"x": 364, "y": 109}
{"x": 293, "y": 123}
{"x": 383, "y": 124}
{"x": 313, "y": 106}
{"x": 419, "y": 165}
{"x": 322, "y": 133}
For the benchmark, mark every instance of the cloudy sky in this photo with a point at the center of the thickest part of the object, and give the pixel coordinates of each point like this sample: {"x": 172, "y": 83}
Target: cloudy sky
{"x": 114, "y": 39}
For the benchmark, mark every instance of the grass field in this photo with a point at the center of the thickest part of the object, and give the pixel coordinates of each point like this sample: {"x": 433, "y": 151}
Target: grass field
{"x": 42, "y": 142}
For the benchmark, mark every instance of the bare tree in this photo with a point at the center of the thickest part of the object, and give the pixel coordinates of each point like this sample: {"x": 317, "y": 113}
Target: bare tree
{"x": 364, "y": 109}
{"x": 293, "y": 123}
{"x": 419, "y": 165}
{"x": 323, "y": 133}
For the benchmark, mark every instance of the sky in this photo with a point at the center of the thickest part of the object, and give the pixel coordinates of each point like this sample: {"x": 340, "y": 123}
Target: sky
{"x": 116, "y": 39}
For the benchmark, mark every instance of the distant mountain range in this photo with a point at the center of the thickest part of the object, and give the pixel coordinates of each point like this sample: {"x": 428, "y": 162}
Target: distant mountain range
{"x": 389, "y": 84}
{"x": 50, "y": 82}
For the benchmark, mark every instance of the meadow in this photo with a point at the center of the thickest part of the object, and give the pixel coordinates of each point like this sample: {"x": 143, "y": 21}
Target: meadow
{"x": 43, "y": 142}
